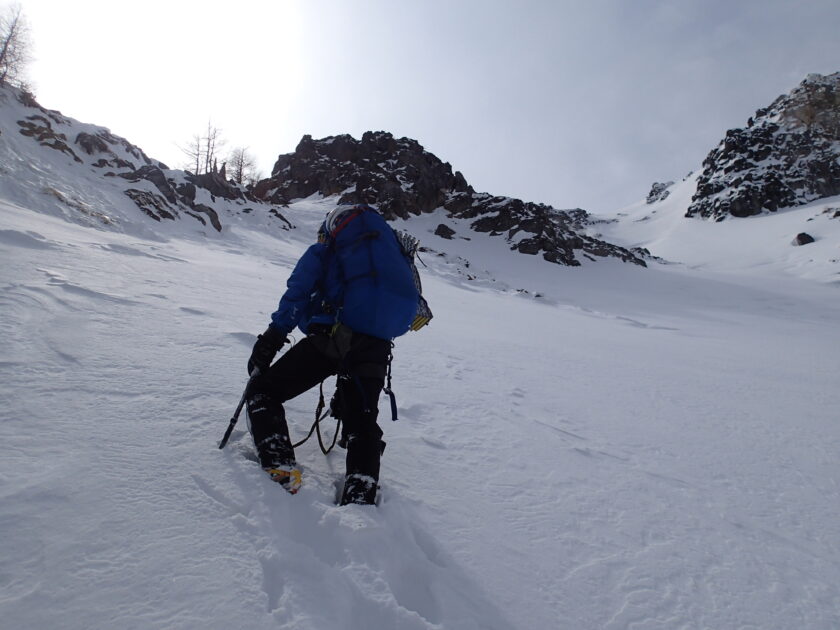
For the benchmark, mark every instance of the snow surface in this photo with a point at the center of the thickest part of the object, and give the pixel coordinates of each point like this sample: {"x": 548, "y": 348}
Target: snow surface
{"x": 759, "y": 245}
{"x": 639, "y": 448}
{"x": 605, "y": 447}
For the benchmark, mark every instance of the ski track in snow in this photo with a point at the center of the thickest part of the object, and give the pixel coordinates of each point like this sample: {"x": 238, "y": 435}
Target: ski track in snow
{"x": 606, "y": 457}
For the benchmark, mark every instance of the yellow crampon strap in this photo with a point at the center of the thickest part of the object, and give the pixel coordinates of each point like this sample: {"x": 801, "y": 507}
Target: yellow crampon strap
{"x": 290, "y": 479}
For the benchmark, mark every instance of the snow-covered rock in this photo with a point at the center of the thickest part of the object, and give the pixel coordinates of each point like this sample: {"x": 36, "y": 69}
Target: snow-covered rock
{"x": 87, "y": 174}
{"x": 659, "y": 191}
{"x": 53, "y": 154}
{"x": 404, "y": 179}
{"x": 760, "y": 243}
{"x": 787, "y": 155}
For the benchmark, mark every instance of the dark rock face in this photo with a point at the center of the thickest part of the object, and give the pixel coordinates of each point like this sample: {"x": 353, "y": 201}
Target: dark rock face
{"x": 154, "y": 175}
{"x": 398, "y": 175}
{"x": 538, "y": 229}
{"x": 151, "y": 204}
{"x": 91, "y": 144}
{"x": 403, "y": 179}
{"x": 211, "y": 214}
{"x": 40, "y": 128}
{"x": 217, "y": 185}
{"x": 803, "y": 238}
{"x": 659, "y": 192}
{"x": 787, "y": 155}
{"x": 444, "y": 231}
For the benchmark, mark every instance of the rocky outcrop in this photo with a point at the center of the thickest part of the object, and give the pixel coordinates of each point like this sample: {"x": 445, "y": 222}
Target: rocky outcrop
{"x": 40, "y": 128}
{"x": 157, "y": 191}
{"x": 403, "y": 179}
{"x": 659, "y": 192}
{"x": 217, "y": 185}
{"x": 787, "y": 155}
{"x": 559, "y": 236}
{"x": 444, "y": 231}
{"x": 91, "y": 144}
{"x": 154, "y": 175}
{"x": 398, "y": 175}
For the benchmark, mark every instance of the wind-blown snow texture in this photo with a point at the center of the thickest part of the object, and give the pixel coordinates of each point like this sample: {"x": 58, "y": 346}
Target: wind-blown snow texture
{"x": 638, "y": 448}
{"x": 598, "y": 447}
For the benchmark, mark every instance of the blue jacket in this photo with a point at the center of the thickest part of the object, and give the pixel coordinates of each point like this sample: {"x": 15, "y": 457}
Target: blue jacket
{"x": 361, "y": 278}
{"x": 313, "y": 283}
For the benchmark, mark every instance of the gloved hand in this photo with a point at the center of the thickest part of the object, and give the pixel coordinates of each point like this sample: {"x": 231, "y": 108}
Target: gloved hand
{"x": 335, "y": 406}
{"x": 264, "y": 350}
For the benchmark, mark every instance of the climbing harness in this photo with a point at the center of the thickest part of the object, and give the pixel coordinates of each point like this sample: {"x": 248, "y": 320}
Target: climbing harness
{"x": 320, "y": 414}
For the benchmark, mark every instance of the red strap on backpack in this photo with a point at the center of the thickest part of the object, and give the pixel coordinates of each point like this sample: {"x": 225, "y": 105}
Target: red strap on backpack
{"x": 356, "y": 211}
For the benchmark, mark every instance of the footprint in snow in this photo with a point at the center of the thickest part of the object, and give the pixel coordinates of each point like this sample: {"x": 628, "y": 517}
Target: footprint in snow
{"x": 246, "y": 339}
{"x": 192, "y": 311}
{"x": 433, "y": 443}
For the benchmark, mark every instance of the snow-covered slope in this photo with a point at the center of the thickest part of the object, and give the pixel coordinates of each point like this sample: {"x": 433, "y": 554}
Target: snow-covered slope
{"x": 84, "y": 173}
{"x": 758, "y": 246}
{"x": 599, "y": 447}
{"x": 764, "y": 202}
{"x": 634, "y": 448}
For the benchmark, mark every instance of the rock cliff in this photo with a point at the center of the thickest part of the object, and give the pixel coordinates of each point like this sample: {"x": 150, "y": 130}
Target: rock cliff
{"x": 787, "y": 155}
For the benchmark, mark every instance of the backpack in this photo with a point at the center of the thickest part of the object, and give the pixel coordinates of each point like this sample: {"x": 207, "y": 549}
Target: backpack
{"x": 381, "y": 293}
{"x": 409, "y": 246}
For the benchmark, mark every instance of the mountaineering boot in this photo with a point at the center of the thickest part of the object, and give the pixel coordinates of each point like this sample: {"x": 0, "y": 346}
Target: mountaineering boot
{"x": 271, "y": 438}
{"x": 359, "y": 489}
{"x": 277, "y": 458}
{"x": 270, "y": 431}
{"x": 364, "y": 449}
{"x": 275, "y": 451}
{"x": 289, "y": 478}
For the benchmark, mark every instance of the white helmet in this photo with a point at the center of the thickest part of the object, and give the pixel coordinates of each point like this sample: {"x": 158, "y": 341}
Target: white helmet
{"x": 337, "y": 216}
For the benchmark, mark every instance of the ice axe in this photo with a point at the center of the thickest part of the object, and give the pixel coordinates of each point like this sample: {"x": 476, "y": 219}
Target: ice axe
{"x": 235, "y": 417}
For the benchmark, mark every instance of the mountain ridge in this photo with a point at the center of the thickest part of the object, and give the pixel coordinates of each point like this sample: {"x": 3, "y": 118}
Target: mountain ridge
{"x": 396, "y": 174}
{"x": 786, "y": 156}
{"x": 404, "y": 180}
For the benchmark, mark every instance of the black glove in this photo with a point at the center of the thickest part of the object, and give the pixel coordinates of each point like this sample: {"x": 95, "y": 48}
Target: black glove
{"x": 264, "y": 350}
{"x": 335, "y": 406}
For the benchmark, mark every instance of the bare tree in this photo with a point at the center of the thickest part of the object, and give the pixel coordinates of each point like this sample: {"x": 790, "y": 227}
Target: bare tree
{"x": 193, "y": 152}
{"x": 202, "y": 150}
{"x": 14, "y": 47}
{"x": 212, "y": 144}
{"x": 254, "y": 177}
{"x": 241, "y": 165}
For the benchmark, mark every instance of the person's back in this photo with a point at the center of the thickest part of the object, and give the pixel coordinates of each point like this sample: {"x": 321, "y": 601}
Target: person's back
{"x": 379, "y": 296}
{"x": 350, "y": 294}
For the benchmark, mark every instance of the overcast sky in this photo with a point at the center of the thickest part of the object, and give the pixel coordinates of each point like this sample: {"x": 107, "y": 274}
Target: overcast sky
{"x": 579, "y": 103}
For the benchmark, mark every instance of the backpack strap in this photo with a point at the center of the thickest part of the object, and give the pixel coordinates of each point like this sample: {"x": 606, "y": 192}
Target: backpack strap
{"x": 351, "y": 214}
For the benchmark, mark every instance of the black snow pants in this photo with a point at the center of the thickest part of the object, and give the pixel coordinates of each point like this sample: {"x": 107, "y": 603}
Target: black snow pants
{"x": 360, "y": 361}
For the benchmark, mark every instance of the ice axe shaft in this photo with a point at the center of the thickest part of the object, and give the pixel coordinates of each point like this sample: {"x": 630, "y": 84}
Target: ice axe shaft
{"x": 241, "y": 404}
